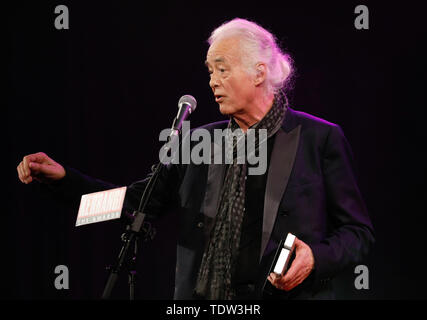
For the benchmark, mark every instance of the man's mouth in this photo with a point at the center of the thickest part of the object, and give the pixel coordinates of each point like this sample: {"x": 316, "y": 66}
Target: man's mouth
{"x": 219, "y": 98}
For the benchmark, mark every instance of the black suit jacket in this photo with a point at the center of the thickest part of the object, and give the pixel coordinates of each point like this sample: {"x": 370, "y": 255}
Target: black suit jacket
{"x": 311, "y": 191}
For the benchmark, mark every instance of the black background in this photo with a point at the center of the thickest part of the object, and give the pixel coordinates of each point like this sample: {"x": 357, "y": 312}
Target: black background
{"x": 96, "y": 97}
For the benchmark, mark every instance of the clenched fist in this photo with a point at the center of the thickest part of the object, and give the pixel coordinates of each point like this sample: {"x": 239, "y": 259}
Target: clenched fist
{"x": 38, "y": 166}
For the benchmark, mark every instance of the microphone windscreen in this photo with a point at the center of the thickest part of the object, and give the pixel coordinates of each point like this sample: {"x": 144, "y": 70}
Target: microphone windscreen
{"x": 189, "y": 100}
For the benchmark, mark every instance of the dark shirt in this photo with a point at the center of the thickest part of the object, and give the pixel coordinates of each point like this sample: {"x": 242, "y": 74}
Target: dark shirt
{"x": 250, "y": 239}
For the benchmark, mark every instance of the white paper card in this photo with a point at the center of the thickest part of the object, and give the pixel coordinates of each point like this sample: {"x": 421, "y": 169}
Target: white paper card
{"x": 101, "y": 206}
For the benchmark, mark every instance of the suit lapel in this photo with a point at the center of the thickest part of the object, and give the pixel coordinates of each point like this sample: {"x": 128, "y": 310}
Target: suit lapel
{"x": 281, "y": 164}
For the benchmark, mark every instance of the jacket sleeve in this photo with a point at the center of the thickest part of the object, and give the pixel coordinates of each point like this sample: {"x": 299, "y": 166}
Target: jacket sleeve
{"x": 165, "y": 196}
{"x": 75, "y": 184}
{"x": 350, "y": 234}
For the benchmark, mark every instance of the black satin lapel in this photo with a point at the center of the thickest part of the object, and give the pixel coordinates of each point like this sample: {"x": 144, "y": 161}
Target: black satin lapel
{"x": 281, "y": 164}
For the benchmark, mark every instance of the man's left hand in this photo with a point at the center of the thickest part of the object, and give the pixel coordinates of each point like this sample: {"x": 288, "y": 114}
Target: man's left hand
{"x": 300, "y": 269}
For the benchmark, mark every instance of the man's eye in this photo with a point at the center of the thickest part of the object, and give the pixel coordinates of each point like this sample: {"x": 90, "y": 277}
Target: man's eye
{"x": 221, "y": 69}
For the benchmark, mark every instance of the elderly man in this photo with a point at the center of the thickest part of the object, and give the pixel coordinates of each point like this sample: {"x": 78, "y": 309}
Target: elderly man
{"x": 232, "y": 222}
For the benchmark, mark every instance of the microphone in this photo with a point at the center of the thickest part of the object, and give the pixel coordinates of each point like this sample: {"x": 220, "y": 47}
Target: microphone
{"x": 186, "y": 105}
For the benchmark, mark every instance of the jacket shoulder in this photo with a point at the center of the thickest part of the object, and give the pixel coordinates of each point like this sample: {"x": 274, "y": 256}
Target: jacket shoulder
{"x": 310, "y": 120}
{"x": 214, "y": 125}
{"x": 312, "y": 127}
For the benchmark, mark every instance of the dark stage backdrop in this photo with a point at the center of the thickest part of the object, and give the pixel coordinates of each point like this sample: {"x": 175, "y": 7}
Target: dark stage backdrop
{"x": 96, "y": 96}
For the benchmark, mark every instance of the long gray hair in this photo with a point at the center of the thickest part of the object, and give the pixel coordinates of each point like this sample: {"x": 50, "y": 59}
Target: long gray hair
{"x": 258, "y": 45}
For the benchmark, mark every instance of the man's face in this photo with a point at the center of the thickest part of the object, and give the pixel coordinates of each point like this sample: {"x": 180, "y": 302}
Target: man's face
{"x": 231, "y": 84}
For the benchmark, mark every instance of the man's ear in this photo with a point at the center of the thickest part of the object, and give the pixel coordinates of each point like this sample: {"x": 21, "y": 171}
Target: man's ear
{"x": 261, "y": 73}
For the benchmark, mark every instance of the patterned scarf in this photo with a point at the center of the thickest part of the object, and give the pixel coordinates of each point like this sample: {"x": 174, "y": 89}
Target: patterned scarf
{"x": 219, "y": 259}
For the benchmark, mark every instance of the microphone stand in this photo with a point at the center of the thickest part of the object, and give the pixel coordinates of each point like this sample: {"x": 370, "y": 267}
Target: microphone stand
{"x": 131, "y": 236}
{"x": 186, "y": 105}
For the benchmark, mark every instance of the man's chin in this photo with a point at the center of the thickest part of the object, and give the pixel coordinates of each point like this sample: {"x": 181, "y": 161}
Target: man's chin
{"x": 224, "y": 110}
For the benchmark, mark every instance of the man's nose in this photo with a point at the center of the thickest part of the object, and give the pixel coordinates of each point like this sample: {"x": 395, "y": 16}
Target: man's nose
{"x": 213, "y": 82}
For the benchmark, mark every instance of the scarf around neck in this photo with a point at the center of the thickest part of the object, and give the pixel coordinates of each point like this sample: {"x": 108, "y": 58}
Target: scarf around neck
{"x": 214, "y": 281}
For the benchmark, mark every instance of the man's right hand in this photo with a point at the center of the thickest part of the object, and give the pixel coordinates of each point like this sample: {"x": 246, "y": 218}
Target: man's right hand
{"x": 38, "y": 166}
